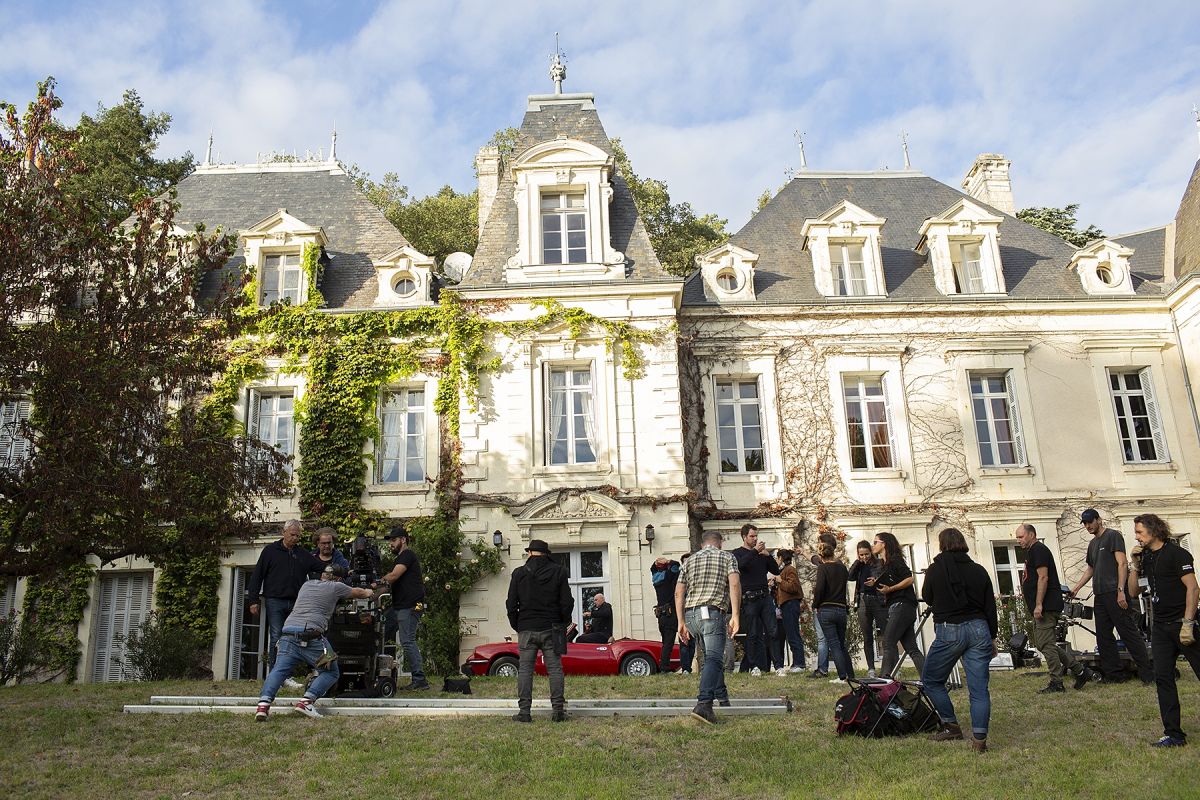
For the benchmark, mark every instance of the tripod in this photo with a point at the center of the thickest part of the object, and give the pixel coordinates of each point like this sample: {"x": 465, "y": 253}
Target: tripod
{"x": 955, "y": 679}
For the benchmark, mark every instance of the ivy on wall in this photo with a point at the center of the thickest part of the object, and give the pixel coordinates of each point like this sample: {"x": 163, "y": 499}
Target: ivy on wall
{"x": 51, "y": 614}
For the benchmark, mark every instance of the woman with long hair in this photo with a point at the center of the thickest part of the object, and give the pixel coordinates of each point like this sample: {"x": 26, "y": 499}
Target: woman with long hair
{"x": 872, "y": 614}
{"x": 829, "y": 601}
{"x": 895, "y": 583}
{"x": 788, "y": 597}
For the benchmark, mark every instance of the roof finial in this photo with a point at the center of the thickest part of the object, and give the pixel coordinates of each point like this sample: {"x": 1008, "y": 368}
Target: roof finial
{"x": 800, "y": 140}
{"x": 904, "y": 146}
{"x": 208, "y": 152}
{"x": 1196, "y": 114}
{"x": 333, "y": 145}
{"x": 558, "y": 67}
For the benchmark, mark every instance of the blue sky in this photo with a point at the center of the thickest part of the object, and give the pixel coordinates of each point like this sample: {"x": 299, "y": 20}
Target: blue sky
{"x": 1090, "y": 100}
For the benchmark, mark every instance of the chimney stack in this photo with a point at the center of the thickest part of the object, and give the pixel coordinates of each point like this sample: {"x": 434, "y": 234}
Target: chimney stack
{"x": 988, "y": 182}
{"x": 487, "y": 168}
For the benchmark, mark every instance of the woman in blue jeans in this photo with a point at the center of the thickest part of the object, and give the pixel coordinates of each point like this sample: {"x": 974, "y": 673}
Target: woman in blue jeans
{"x": 959, "y": 592}
{"x": 829, "y": 600}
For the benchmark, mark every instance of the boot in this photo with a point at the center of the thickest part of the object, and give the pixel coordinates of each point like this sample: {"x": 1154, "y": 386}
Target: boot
{"x": 950, "y": 732}
{"x": 1053, "y": 687}
{"x": 979, "y": 745}
{"x": 1083, "y": 675}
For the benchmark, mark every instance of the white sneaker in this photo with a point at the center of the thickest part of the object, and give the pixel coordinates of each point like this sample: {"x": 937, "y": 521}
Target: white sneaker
{"x": 870, "y": 673}
{"x": 292, "y": 683}
{"x": 836, "y": 680}
{"x": 781, "y": 672}
{"x": 756, "y": 672}
{"x": 797, "y": 670}
{"x": 306, "y": 707}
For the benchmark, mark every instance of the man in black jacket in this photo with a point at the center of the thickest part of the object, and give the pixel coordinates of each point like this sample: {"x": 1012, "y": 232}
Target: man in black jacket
{"x": 539, "y": 607}
{"x": 758, "y": 608}
{"x": 282, "y": 569}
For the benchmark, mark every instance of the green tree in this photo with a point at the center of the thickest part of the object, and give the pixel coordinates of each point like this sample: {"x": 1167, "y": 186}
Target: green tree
{"x": 117, "y": 149}
{"x": 1062, "y": 223}
{"x": 676, "y": 231}
{"x": 442, "y": 223}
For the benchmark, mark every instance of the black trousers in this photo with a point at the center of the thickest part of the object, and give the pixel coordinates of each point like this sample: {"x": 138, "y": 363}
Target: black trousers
{"x": 668, "y": 626}
{"x": 1164, "y": 643}
{"x": 1109, "y": 615}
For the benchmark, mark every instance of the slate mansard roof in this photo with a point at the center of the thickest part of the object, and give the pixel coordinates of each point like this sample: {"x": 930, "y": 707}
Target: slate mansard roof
{"x": 1035, "y": 263}
{"x": 544, "y": 121}
{"x": 322, "y": 195}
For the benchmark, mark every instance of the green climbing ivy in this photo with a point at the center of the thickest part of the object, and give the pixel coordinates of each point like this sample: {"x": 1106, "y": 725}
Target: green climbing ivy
{"x": 52, "y": 612}
{"x": 187, "y": 594}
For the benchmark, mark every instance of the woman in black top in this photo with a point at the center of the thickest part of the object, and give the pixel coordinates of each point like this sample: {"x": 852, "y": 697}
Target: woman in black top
{"x": 895, "y": 583}
{"x": 872, "y": 613}
{"x": 829, "y": 600}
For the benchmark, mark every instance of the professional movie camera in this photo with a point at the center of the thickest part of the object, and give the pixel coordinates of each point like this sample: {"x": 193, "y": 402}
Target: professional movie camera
{"x": 363, "y": 556}
{"x": 1076, "y": 613}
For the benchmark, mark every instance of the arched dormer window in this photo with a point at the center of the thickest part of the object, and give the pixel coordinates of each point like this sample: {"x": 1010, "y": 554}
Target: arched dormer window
{"x": 845, "y": 243}
{"x": 562, "y": 192}
{"x": 963, "y": 244}
{"x": 727, "y": 273}
{"x": 274, "y": 248}
{"x": 1103, "y": 268}
{"x": 404, "y": 277}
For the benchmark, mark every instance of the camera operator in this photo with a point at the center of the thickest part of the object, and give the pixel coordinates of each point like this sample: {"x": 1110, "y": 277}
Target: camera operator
{"x": 1046, "y": 606}
{"x": 1107, "y": 569}
{"x": 408, "y": 604}
{"x": 1170, "y": 575}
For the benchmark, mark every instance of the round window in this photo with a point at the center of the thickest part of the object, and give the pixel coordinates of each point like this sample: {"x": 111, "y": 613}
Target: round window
{"x": 727, "y": 280}
{"x": 1106, "y": 274}
{"x": 404, "y": 285}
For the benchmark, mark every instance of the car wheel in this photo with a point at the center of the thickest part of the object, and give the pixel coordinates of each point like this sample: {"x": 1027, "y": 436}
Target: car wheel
{"x": 504, "y": 666}
{"x": 638, "y": 664}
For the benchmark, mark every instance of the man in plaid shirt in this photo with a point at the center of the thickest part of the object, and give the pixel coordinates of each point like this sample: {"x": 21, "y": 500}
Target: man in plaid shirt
{"x": 707, "y": 602}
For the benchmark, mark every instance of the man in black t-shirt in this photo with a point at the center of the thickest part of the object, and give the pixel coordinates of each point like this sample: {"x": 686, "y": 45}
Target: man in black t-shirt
{"x": 1043, "y": 598}
{"x": 1107, "y": 569}
{"x": 1170, "y": 576}
{"x": 758, "y": 607}
{"x": 408, "y": 604}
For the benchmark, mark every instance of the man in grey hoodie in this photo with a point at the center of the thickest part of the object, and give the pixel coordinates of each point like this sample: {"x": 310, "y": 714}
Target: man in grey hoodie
{"x": 539, "y": 608}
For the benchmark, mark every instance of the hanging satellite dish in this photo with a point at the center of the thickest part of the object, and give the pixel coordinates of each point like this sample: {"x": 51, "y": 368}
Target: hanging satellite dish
{"x": 456, "y": 266}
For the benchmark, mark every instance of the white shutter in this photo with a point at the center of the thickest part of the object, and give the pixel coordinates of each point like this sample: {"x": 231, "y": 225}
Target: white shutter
{"x": 886, "y": 380}
{"x": 1014, "y": 413}
{"x": 104, "y": 630}
{"x": 253, "y": 401}
{"x": 8, "y": 596}
{"x": 237, "y": 608}
{"x": 9, "y": 434}
{"x": 1152, "y": 412}
{"x": 125, "y": 603}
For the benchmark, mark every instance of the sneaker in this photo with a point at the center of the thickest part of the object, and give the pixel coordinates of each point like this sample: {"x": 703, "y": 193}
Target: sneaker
{"x": 292, "y": 683}
{"x": 870, "y": 673}
{"x": 262, "y": 712}
{"x": 415, "y": 686}
{"x": 950, "y": 732}
{"x": 307, "y": 708}
{"x": 781, "y": 672}
{"x": 559, "y": 715}
{"x": 1053, "y": 687}
{"x": 837, "y": 680}
{"x": 979, "y": 745}
{"x": 704, "y": 713}
{"x": 756, "y": 672}
{"x": 522, "y": 716}
{"x": 797, "y": 670}
{"x": 1166, "y": 741}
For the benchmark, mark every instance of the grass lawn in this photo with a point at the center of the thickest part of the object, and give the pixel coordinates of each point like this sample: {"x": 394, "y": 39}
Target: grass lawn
{"x": 73, "y": 741}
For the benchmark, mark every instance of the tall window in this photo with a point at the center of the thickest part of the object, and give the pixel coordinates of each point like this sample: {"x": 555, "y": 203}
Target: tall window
{"x": 588, "y": 577}
{"x": 868, "y": 424}
{"x": 125, "y": 600}
{"x": 271, "y": 420}
{"x": 281, "y": 278}
{"x": 402, "y": 436}
{"x": 564, "y": 229}
{"x": 1010, "y": 563}
{"x": 997, "y": 420}
{"x": 14, "y": 446}
{"x": 571, "y": 438}
{"x": 739, "y": 426}
{"x": 849, "y": 274}
{"x": 1138, "y": 421}
{"x": 968, "y": 267}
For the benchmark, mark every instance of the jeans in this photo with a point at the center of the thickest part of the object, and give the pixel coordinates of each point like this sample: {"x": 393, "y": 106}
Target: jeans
{"x": 711, "y": 632}
{"x": 277, "y": 609}
{"x": 872, "y": 620}
{"x": 687, "y": 654}
{"x": 972, "y": 642}
{"x": 899, "y": 630}
{"x": 1045, "y": 641}
{"x": 407, "y": 622}
{"x": 791, "y": 629}
{"x": 832, "y": 623}
{"x": 528, "y": 645}
{"x": 759, "y": 618}
{"x": 292, "y": 653}
{"x": 668, "y": 626}
{"x": 822, "y": 647}
{"x": 1108, "y": 616}
{"x": 1164, "y": 643}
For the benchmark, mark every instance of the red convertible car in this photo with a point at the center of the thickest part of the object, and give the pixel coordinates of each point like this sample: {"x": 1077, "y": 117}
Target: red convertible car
{"x": 622, "y": 657}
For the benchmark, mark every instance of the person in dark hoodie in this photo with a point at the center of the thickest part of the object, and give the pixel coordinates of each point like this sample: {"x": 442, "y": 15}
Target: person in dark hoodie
{"x": 959, "y": 592}
{"x": 539, "y": 609}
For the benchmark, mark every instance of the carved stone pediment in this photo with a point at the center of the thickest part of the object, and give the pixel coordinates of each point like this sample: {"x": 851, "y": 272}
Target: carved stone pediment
{"x": 573, "y": 506}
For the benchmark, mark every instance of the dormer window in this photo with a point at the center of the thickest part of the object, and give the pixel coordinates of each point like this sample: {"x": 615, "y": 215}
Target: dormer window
{"x": 727, "y": 273}
{"x": 281, "y": 278}
{"x": 404, "y": 277}
{"x": 963, "y": 245}
{"x": 564, "y": 228}
{"x": 404, "y": 286}
{"x": 727, "y": 281}
{"x": 847, "y": 258}
{"x": 1103, "y": 268}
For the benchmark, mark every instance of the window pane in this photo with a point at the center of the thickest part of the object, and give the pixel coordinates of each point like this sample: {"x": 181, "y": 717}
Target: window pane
{"x": 558, "y": 452}
{"x": 995, "y": 385}
{"x": 750, "y": 414}
{"x": 575, "y": 222}
{"x": 549, "y": 202}
{"x": 724, "y": 391}
{"x": 729, "y": 461}
{"x": 858, "y": 456}
{"x": 748, "y": 390}
{"x": 727, "y": 439}
{"x": 754, "y": 461}
{"x": 976, "y": 385}
{"x": 415, "y": 471}
{"x": 591, "y": 564}
{"x": 389, "y": 472}
{"x": 1133, "y": 380}
{"x": 1146, "y": 450}
{"x": 285, "y": 404}
{"x": 751, "y": 437}
{"x": 574, "y": 201}
{"x": 583, "y": 452}
{"x": 725, "y": 416}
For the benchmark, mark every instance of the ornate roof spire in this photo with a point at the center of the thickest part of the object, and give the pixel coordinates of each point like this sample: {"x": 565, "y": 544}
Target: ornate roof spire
{"x": 800, "y": 141}
{"x": 558, "y": 66}
{"x": 904, "y": 146}
{"x": 333, "y": 146}
{"x": 208, "y": 152}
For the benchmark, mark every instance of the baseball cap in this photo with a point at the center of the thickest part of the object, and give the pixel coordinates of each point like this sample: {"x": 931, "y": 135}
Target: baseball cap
{"x": 1089, "y": 515}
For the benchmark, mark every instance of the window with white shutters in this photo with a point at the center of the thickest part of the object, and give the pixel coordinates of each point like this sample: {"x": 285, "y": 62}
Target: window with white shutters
{"x": 1139, "y": 423}
{"x": 247, "y": 634}
{"x": 126, "y": 599}
{"x": 997, "y": 420}
{"x": 8, "y": 596}
{"x": 14, "y": 444}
